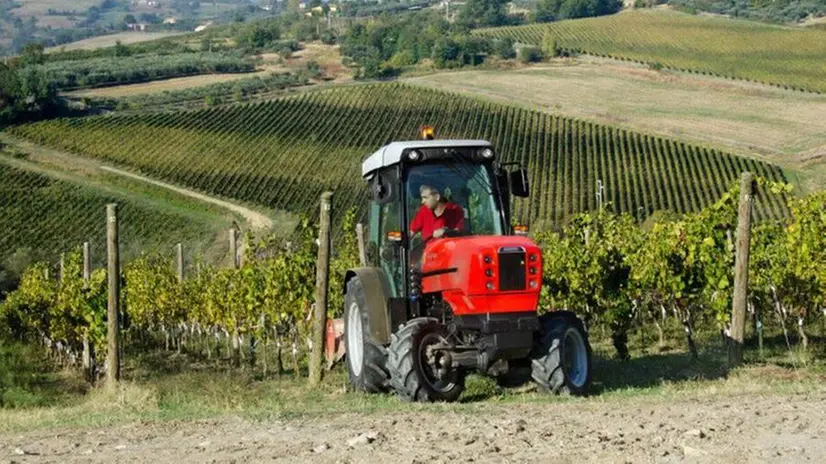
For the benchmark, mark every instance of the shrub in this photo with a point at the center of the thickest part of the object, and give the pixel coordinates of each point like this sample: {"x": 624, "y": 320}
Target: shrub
{"x": 530, "y": 54}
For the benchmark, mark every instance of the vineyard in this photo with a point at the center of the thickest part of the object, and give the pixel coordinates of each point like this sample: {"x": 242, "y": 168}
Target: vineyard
{"x": 42, "y": 217}
{"x": 237, "y": 90}
{"x": 98, "y": 72}
{"x": 282, "y": 154}
{"x": 615, "y": 274}
{"x": 781, "y": 56}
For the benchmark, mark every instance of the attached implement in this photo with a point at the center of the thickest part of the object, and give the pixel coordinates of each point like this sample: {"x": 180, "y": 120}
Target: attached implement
{"x": 451, "y": 287}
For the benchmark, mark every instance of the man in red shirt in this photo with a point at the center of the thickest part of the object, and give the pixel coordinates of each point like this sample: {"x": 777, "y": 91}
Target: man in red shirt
{"x": 436, "y": 215}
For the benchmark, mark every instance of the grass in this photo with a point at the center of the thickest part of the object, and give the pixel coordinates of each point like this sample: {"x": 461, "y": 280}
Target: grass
{"x": 783, "y": 56}
{"x": 161, "y": 386}
{"x": 110, "y": 40}
{"x": 29, "y": 379}
{"x": 765, "y": 122}
{"x": 35, "y": 7}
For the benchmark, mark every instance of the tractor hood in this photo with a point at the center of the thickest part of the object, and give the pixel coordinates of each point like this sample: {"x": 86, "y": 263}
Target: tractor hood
{"x": 484, "y": 273}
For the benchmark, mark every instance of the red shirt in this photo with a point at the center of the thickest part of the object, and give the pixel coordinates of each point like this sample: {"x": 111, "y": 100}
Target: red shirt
{"x": 426, "y": 221}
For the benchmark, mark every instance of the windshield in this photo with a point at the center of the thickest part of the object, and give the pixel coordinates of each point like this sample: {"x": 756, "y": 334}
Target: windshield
{"x": 466, "y": 187}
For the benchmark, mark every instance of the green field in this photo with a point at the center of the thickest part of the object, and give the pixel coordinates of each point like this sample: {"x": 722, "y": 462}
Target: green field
{"x": 106, "y": 71}
{"x": 283, "y": 153}
{"x": 783, "y": 56}
{"x": 43, "y": 215}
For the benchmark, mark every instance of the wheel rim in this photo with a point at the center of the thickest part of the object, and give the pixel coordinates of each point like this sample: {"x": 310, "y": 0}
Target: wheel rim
{"x": 575, "y": 358}
{"x": 355, "y": 348}
{"x": 430, "y": 368}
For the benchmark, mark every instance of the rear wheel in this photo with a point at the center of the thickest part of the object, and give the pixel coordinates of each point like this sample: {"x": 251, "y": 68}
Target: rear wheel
{"x": 366, "y": 359}
{"x": 419, "y": 370}
{"x": 562, "y": 356}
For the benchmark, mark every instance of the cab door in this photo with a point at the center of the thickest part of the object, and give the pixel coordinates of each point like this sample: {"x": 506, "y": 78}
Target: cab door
{"x": 385, "y": 232}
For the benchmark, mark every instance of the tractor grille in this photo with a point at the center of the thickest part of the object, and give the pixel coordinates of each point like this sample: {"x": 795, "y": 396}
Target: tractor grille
{"x": 511, "y": 269}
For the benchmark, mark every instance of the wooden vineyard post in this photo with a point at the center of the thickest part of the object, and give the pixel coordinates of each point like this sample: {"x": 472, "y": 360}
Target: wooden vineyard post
{"x": 179, "y": 251}
{"x": 233, "y": 247}
{"x": 233, "y": 251}
{"x": 113, "y": 263}
{"x": 322, "y": 271}
{"x": 86, "y": 359}
{"x": 360, "y": 239}
{"x": 741, "y": 271}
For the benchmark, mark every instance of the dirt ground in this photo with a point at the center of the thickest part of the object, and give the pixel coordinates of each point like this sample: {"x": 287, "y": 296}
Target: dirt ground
{"x": 768, "y": 427}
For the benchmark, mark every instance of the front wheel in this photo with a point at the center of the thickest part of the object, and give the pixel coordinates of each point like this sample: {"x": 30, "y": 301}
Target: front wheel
{"x": 366, "y": 359}
{"x": 562, "y": 355}
{"x": 420, "y": 367}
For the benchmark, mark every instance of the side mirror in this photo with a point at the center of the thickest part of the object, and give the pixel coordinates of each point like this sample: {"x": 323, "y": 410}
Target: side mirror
{"x": 381, "y": 189}
{"x": 519, "y": 183}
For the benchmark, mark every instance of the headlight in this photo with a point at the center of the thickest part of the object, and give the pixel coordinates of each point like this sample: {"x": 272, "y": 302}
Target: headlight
{"x": 414, "y": 156}
{"x": 487, "y": 153}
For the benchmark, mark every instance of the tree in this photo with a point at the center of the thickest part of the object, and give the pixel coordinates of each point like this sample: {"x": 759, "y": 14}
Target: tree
{"x": 121, "y": 49}
{"x": 259, "y": 34}
{"x": 446, "y": 53}
{"x": 32, "y": 54}
{"x": 27, "y": 94}
{"x": 130, "y": 19}
{"x": 529, "y": 54}
{"x": 553, "y": 10}
{"x": 503, "y": 48}
{"x": 547, "y": 11}
{"x": 549, "y": 45}
{"x": 483, "y": 13}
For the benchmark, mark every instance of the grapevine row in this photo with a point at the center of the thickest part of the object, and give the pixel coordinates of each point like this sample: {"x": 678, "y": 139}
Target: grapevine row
{"x": 283, "y": 153}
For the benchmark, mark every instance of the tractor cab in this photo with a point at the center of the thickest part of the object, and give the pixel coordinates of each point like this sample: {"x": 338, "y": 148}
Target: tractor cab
{"x": 467, "y": 180}
{"x": 450, "y": 286}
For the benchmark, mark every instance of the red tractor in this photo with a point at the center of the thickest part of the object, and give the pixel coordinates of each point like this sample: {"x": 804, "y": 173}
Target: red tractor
{"x": 433, "y": 305}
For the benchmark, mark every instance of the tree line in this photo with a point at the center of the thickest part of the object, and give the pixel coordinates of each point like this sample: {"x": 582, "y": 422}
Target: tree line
{"x": 385, "y": 46}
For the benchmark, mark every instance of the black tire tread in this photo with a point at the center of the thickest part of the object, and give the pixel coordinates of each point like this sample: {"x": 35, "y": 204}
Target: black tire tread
{"x": 546, "y": 368}
{"x": 404, "y": 377}
{"x": 374, "y": 377}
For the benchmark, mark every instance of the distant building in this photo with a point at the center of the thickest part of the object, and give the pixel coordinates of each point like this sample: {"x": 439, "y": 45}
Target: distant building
{"x": 170, "y": 20}
{"x": 141, "y": 27}
{"x": 203, "y": 26}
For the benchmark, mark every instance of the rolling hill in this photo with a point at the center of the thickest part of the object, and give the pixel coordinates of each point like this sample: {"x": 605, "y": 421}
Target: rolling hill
{"x": 282, "y": 154}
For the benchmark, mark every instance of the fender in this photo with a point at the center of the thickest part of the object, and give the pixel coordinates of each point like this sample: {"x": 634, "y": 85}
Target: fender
{"x": 376, "y": 293}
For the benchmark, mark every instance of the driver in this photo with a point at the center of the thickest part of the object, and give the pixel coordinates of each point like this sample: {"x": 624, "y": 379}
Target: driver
{"x": 436, "y": 215}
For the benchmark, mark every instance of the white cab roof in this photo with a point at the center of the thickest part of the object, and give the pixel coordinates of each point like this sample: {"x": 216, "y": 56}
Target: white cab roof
{"x": 391, "y": 153}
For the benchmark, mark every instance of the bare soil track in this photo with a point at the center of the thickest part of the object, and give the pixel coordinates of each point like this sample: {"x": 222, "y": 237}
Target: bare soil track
{"x": 757, "y": 428}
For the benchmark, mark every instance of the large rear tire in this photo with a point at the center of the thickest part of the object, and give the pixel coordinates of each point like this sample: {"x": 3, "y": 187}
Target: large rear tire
{"x": 562, "y": 355}
{"x": 366, "y": 358}
{"x": 415, "y": 371}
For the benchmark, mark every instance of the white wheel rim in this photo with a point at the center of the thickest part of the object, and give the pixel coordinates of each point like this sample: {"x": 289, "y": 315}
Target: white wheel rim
{"x": 575, "y": 358}
{"x": 355, "y": 349}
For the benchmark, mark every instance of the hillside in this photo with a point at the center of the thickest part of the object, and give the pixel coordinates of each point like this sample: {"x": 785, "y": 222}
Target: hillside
{"x": 766, "y": 122}
{"x": 46, "y": 211}
{"x": 783, "y": 56}
{"x": 283, "y": 153}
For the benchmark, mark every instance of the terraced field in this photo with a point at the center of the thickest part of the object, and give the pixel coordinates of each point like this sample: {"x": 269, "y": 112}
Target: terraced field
{"x": 783, "y": 56}
{"x": 283, "y": 153}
